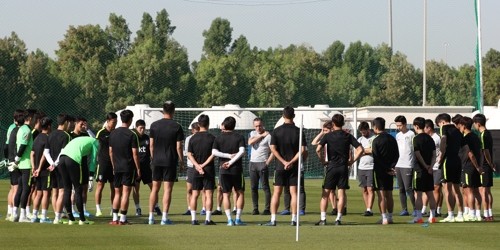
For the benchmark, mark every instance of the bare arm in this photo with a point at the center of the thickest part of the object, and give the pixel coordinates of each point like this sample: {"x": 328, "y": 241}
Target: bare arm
{"x": 135, "y": 155}
{"x": 488, "y": 159}
{"x": 151, "y": 147}
{"x": 421, "y": 162}
{"x": 111, "y": 157}
{"x": 316, "y": 139}
{"x": 270, "y": 159}
{"x": 257, "y": 138}
{"x": 32, "y": 159}
{"x": 180, "y": 154}
{"x": 358, "y": 152}
{"x": 319, "y": 153}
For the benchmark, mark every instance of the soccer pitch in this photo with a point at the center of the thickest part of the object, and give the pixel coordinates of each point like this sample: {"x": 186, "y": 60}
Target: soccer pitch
{"x": 357, "y": 231}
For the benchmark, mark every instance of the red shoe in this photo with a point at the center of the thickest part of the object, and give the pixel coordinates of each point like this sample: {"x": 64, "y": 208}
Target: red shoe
{"x": 433, "y": 220}
{"x": 122, "y": 223}
{"x": 418, "y": 221}
{"x": 114, "y": 223}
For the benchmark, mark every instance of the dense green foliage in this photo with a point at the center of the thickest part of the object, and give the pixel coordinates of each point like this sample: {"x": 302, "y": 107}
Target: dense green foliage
{"x": 101, "y": 69}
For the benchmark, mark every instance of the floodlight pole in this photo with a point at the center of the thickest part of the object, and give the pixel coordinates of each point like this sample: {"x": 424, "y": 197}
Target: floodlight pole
{"x": 298, "y": 174}
{"x": 390, "y": 23}
{"x": 424, "y": 80}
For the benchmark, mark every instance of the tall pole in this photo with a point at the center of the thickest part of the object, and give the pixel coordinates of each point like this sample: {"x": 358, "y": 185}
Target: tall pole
{"x": 298, "y": 174}
{"x": 424, "y": 83}
{"x": 390, "y": 23}
{"x": 479, "y": 73}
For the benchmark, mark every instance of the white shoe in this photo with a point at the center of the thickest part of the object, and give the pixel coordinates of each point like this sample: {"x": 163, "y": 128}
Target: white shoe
{"x": 448, "y": 219}
{"x": 459, "y": 219}
{"x": 24, "y": 220}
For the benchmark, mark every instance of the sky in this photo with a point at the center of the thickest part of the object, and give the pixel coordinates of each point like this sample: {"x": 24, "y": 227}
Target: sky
{"x": 451, "y": 26}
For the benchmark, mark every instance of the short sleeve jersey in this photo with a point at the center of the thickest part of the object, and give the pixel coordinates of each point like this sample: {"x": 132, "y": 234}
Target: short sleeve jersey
{"x": 200, "y": 145}
{"x": 103, "y": 155}
{"x": 12, "y": 137}
{"x": 366, "y": 161}
{"x": 165, "y": 134}
{"x": 122, "y": 140}
{"x": 9, "y": 131}
{"x": 474, "y": 144}
{"x": 339, "y": 147}
{"x": 437, "y": 142}
{"x": 405, "y": 147}
{"x": 453, "y": 142}
{"x": 486, "y": 144}
{"x": 385, "y": 152}
{"x": 186, "y": 144}
{"x": 24, "y": 137}
{"x": 58, "y": 139}
{"x": 260, "y": 150}
{"x": 82, "y": 146}
{"x": 39, "y": 145}
{"x": 230, "y": 142}
{"x": 424, "y": 144}
{"x": 286, "y": 140}
{"x": 143, "y": 150}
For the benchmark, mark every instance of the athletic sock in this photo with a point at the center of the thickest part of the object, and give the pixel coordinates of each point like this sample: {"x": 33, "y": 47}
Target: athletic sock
{"x": 219, "y": 208}
{"x": 485, "y": 213}
{"x": 9, "y": 209}
{"x": 123, "y": 216}
{"x": 490, "y": 212}
{"x": 472, "y": 212}
{"x": 98, "y": 208}
{"x": 384, "y": 216}
{"x": 478, "y": 213}
{"x": 460, "y": 214}
{"x": 228, "y": 213}
{"x": 203, "y": 209}
{"x": 115, "y": 214}
{"x": 28, "y": 210}
{"x": 466, "y": 210}
{"x": 84, "y": 207}
{"x": 369, "y": 209}
{"x": 273, "y": 217}
{"x": 234, "y": 208}
{"x": 151, "y": 216}
{"x": 323, "y": 216}
{"x": 423, "y": 209}
{"x": 164, "y": 216}
{"x": 238, "y": 214}
{"x": 137, "y": 206}
{"x": 339, "y": 216}
{"x": 35, "y": 213}
{"x": 294, "y": 217}
{"x": 432, "y": 213}
{"x": 44, "y": 214}
{"x": 450, "y": 214}
{"x": 23, "y": 213}
{"x": 389, "y": 216}
{"x": 193, "y": 214}
{"x": 73, "y": 209}
{"x": 208, "y": 215}
{"x": 438, "y": 210}
{"x": 57, "y": 215}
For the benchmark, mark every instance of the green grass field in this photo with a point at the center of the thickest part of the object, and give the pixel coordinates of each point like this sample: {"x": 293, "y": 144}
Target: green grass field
{"x": 356, "y": 233}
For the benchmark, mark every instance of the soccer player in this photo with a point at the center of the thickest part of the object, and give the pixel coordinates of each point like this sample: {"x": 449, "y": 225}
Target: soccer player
{"x": 24, "y": 143}
{"x": 41, "y": 172}
{"x": 365, "y": 167}
{"x": 423, "y": 180}
{"x": 488, "y": 165}
{"x": 10, "y": 154}
{"x": 71, "y": 170}
{"x": 385, "y": 156}
{"x": 285, "y": 147}
{"x": 80, "y": 129}
{"x": 145, "y": 162}
{"x": 470, "y": 154}
{"x": 260, "y": 158}
{"x": 56, "y": 142}
{"x": 203, "y": 178}
{"x": 123, "y": 148}
{"x": 229, "y": 146}
{"x": 166, "y": 136}
{"x": 104, "y": 166}
{"x": 190, "y": 168}
{"x": 339, "y": 145}
{"x": 404, "y": 167}
{"x": 451, "y": 140}
{"x": 436, "y": 171}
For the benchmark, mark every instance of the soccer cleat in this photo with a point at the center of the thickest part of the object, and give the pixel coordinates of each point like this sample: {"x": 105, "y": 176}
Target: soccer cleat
{"x": 124, "y": 223}
{"x": 414, "y": 214}
{"x": 71, "y": 222}
{"x": 459, "y": 219}
{"x": 417, "y": 221}
{"x": 438, "y": 215}
{"x": 368, "y": 213}
{"x": 87, "y": 214}
{"x": 390, "y": 221}
{"x": 76, "y": 214}
{"x": 468, "y": 218}
{"x": 8, "y": 217}
{"x": 302, "y": 212}
{"x": 404, "y": 213}
{"x": 158, "y": 210}
{"x": 195, "y": 223}
{"x": 338, "y": 223}
{"x": 431, "y": 220}
{"x": 448, "y": 219}
{"x": 234, "y": 212}
{"x": 239, "y": 222}
{"x": 203, "y": 212}
{"x": 385, "y": 222}
{"x": 98, "y": 214}
{"x": 29, "y": 215}
{"x": 151, "y": 222}
{"x": 87, "y": 222}
{"x": 217, "y": 212}
{"x": 321, "y": 223}
{"x": 285, "y": 212}
{"x": 425, "y": 214}
{"x": 57, "y": 221}
{"x": 24, "y": 220}
{"x": 35, "y": 220}
{"x": 293, "y": 223}
{"x": 266, "y": 212}
{"x": 230, "y": 223}
{"x": 255, "y": 212}
{"x": 46, "y": 220}
{"x": 114, "y": 223}
{"x": 138, "y": 212}
{"x": 334, "y": 211}
{"x": 188, "y": 212}
{"x": 166, "y": 222}
{"x": 210, "y": 223}
{"x": 269, "y": 224}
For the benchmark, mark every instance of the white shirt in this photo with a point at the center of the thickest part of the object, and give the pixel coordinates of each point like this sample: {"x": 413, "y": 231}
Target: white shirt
{"x": 366, "y": 161}
{"x": 186, "y": 144}
{"x": 260, "y": 150}
{"x": 405, "y": 146}
{"x": 437, "y": 141}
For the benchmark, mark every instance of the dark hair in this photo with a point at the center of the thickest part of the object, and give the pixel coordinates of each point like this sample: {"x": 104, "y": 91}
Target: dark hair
{"x": 257, "y": 119}
{"x": 29, "y": 113}
{"x": 442, "y": 117}
{"x": 363, "y": 126}
{"x": 288, "y": 112}
{"x": 80, "y": 118}
{"x": 70, "y": 118}
{"x": 479, "y": 118}
{"x": 204, "y": 121}
{"x": 400, "y": 118}
{"x": 45, "y": 122}
{"x": 338, "y": 120}
{"x": 328, "y": 124}
{"x": 466, "y": 121}
{"x": 19, "y": 116}
{"x": 456, "y": 119}
{"x": 139, "y": 123}
{"x": 229, "y": 123}
{"x": 195, "y": 126}
{"x": 37, "y": 117}
{"x": 61, "y": 118}
{"x": 379, "y": 123}
{"x": 419, "y": 121}
{"x": 429, "y": 124}
{"x": 111, "y": 116}
{"x": 168, "y": 107}
{"x": 126, "y": 116}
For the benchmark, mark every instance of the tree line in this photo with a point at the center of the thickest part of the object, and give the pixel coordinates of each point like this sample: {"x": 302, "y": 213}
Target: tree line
{"x": 101, "y": 69}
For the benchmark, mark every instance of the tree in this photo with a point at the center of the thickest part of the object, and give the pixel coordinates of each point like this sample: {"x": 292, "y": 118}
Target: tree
{"x": 334, "y": 55}
{"x": 217, "y": 38}
{"x": 119, "y": 34}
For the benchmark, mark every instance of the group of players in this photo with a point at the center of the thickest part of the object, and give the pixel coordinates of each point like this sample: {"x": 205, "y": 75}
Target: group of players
{"x": 64, "y": 162}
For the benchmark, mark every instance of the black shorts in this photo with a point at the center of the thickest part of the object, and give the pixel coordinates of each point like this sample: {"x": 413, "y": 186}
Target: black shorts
{"x": 365, "y": 178}
{"x": 336, "y": 177}
{"x": 382, "y": 180}
{"x": 471, "y": 178}
{"x": 146, "y": 174}
{"x": 56, "y": 180}
{"x": 33, "y": 182}
{"x": 161, "y": 173}
{"x": 285, "y": 178}
{"x": 205, "y": 182}
{"x": 14, "y": 177}
{"x": 42, "y": 183}
{"x": 124, "y": 179}
{"x": 437, "y": 175}
{"x": 487, "y": 177}
{"x": 189, "y": 175}
{"x": 229, "y": 181}
{"x": 423, "y": 181}
{"x": 451, "y": 172}
{"x": 105, "y": 172}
